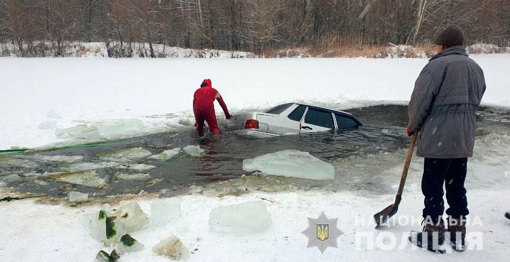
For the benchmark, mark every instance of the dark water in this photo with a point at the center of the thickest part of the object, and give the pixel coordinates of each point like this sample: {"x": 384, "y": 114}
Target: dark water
{"x": 383, "y": 130}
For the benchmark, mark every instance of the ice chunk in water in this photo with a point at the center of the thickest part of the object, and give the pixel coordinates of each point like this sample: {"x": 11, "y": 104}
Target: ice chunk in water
{"x": 138, "y": 177}
{"x": 77, "y": 196}
{"x": 86, "y": 178}
{"x": 291, "y": 163}
{"x": 171, "y": 247}
{"x": 167, "y": 154}
{"x": 250, "y": 217}
{"x": 195, "y": 151}
{"x": 138, "y": 167}
{"x": 7, "y": 161}
{"x": 56, "y": 158}
{"x": 164, "y": 211}
{"x": 126, "y": 154}
{"x": 79, "y": 131}
{"x": 14, "y": 178}
{"x": 132, "y": 216}
{"x": 89, "y": 166}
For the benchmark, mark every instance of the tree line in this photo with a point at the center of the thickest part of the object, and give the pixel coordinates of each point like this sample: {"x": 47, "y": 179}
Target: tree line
{"x": 246, "y": 25}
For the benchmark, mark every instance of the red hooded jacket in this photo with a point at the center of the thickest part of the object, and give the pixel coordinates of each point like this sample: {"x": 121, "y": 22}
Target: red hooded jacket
{"x": 203, "y": 99}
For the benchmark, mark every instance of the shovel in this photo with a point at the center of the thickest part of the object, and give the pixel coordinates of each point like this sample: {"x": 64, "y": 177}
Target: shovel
{"x": 389, "y": 211}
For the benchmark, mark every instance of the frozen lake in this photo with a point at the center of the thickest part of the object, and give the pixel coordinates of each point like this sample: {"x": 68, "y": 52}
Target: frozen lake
{"x": 361, "y": 158}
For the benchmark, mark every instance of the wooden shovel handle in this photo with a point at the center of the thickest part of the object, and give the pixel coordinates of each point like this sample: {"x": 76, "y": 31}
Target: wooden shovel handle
{"x": 406, "y": 166}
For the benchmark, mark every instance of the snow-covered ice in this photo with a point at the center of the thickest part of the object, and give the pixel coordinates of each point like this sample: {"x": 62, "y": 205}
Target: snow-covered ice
{"x": 291, "y": 163}
{"x": 75, "y": 92}
{"x": 165, "y": 211}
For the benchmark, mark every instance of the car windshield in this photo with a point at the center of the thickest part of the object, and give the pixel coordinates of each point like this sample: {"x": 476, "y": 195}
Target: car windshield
{"x": 278, "y": 109}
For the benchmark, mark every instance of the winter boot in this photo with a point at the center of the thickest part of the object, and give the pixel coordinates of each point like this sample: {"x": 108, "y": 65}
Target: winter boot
{"x": 432, "y": 236}
{"x": 457, "y": 229}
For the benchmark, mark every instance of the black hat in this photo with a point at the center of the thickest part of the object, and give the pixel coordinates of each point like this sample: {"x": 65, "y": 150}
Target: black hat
{"x": 450, "y": 36}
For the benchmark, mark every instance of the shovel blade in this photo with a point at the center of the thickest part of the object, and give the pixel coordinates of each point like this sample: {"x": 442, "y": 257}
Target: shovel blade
{"x": 385, "y": 214}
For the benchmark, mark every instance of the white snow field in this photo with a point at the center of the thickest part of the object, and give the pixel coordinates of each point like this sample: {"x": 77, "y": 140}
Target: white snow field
{"x": 40, "y": 97}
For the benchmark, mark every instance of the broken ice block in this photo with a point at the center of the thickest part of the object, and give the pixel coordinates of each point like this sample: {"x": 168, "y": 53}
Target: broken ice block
{"x": 167, "y": 154}
{"x": 56, "y": 158}
{"x": 77, "y": 196}
{"x": 164, "y": 211}
{"x": 132, "y": 216}
{"x": 246, "y": 218}
{"x": 139, "y": 167}
{"x": 89, "y": 166}
{"x": 126, "y": 154}
{"x": 138, "y": 177}
{"x": 291, "y": 163}
{"x": 128, "y": 244}
{"x": 171, "y": 247}
{"x": 119, "y": 127}
{"x": 102, "y": 256}
{"x": 79, "y": 131}
{"x": 86, "y": 178}
{"x": 14, "y": 178}
{"x": 105, "y": 227}
{"x": 195, "y": 151}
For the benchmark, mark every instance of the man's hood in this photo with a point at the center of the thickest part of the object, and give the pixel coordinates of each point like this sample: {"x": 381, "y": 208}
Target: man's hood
{"x": 206, "y": 83}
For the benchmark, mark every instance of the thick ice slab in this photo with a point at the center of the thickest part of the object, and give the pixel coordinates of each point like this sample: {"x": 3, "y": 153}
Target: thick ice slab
{"x": 245, "y": 218}
{"x": 291, "y": 163}
{"x": 105, "y": 227}
{"x": 100, "y": 130}
{"x": 132, "y": 216}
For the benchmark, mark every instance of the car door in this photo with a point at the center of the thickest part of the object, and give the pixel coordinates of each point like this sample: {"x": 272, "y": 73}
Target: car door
{"x": 317, "y": 120}
{"x": 345, "y": 122}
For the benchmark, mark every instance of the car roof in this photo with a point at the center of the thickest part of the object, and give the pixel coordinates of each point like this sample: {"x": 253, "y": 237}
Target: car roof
{"x": 325, "y": 108}
{"x": 334, "y": 111}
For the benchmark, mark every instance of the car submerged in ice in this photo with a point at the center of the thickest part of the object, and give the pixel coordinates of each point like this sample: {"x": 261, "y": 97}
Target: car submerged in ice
{"x": 291, "y": 118}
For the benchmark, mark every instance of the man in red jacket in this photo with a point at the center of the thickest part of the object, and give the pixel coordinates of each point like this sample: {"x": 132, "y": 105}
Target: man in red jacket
{"x": 203, "y": 107}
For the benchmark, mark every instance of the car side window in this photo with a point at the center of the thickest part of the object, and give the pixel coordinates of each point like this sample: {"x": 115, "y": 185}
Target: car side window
{"x": 319, "y": 118}
{"x": 297, "y": 114}
{"x": 345, "y": 122}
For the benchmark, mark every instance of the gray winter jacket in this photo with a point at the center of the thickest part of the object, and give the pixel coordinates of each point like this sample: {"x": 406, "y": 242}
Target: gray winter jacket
{"x": 443, "y": 104}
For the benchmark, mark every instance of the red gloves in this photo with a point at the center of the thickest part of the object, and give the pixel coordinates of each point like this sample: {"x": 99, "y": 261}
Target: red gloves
{"x": 409, "y": 132}
{"x": 228, "y": 116}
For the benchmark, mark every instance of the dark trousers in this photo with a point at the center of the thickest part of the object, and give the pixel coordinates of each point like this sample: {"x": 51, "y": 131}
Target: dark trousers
{"x": 448, "y": 173}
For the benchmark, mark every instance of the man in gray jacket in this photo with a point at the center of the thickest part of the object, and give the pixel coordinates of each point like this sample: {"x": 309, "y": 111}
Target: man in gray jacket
{"x": 442, "y": 108}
